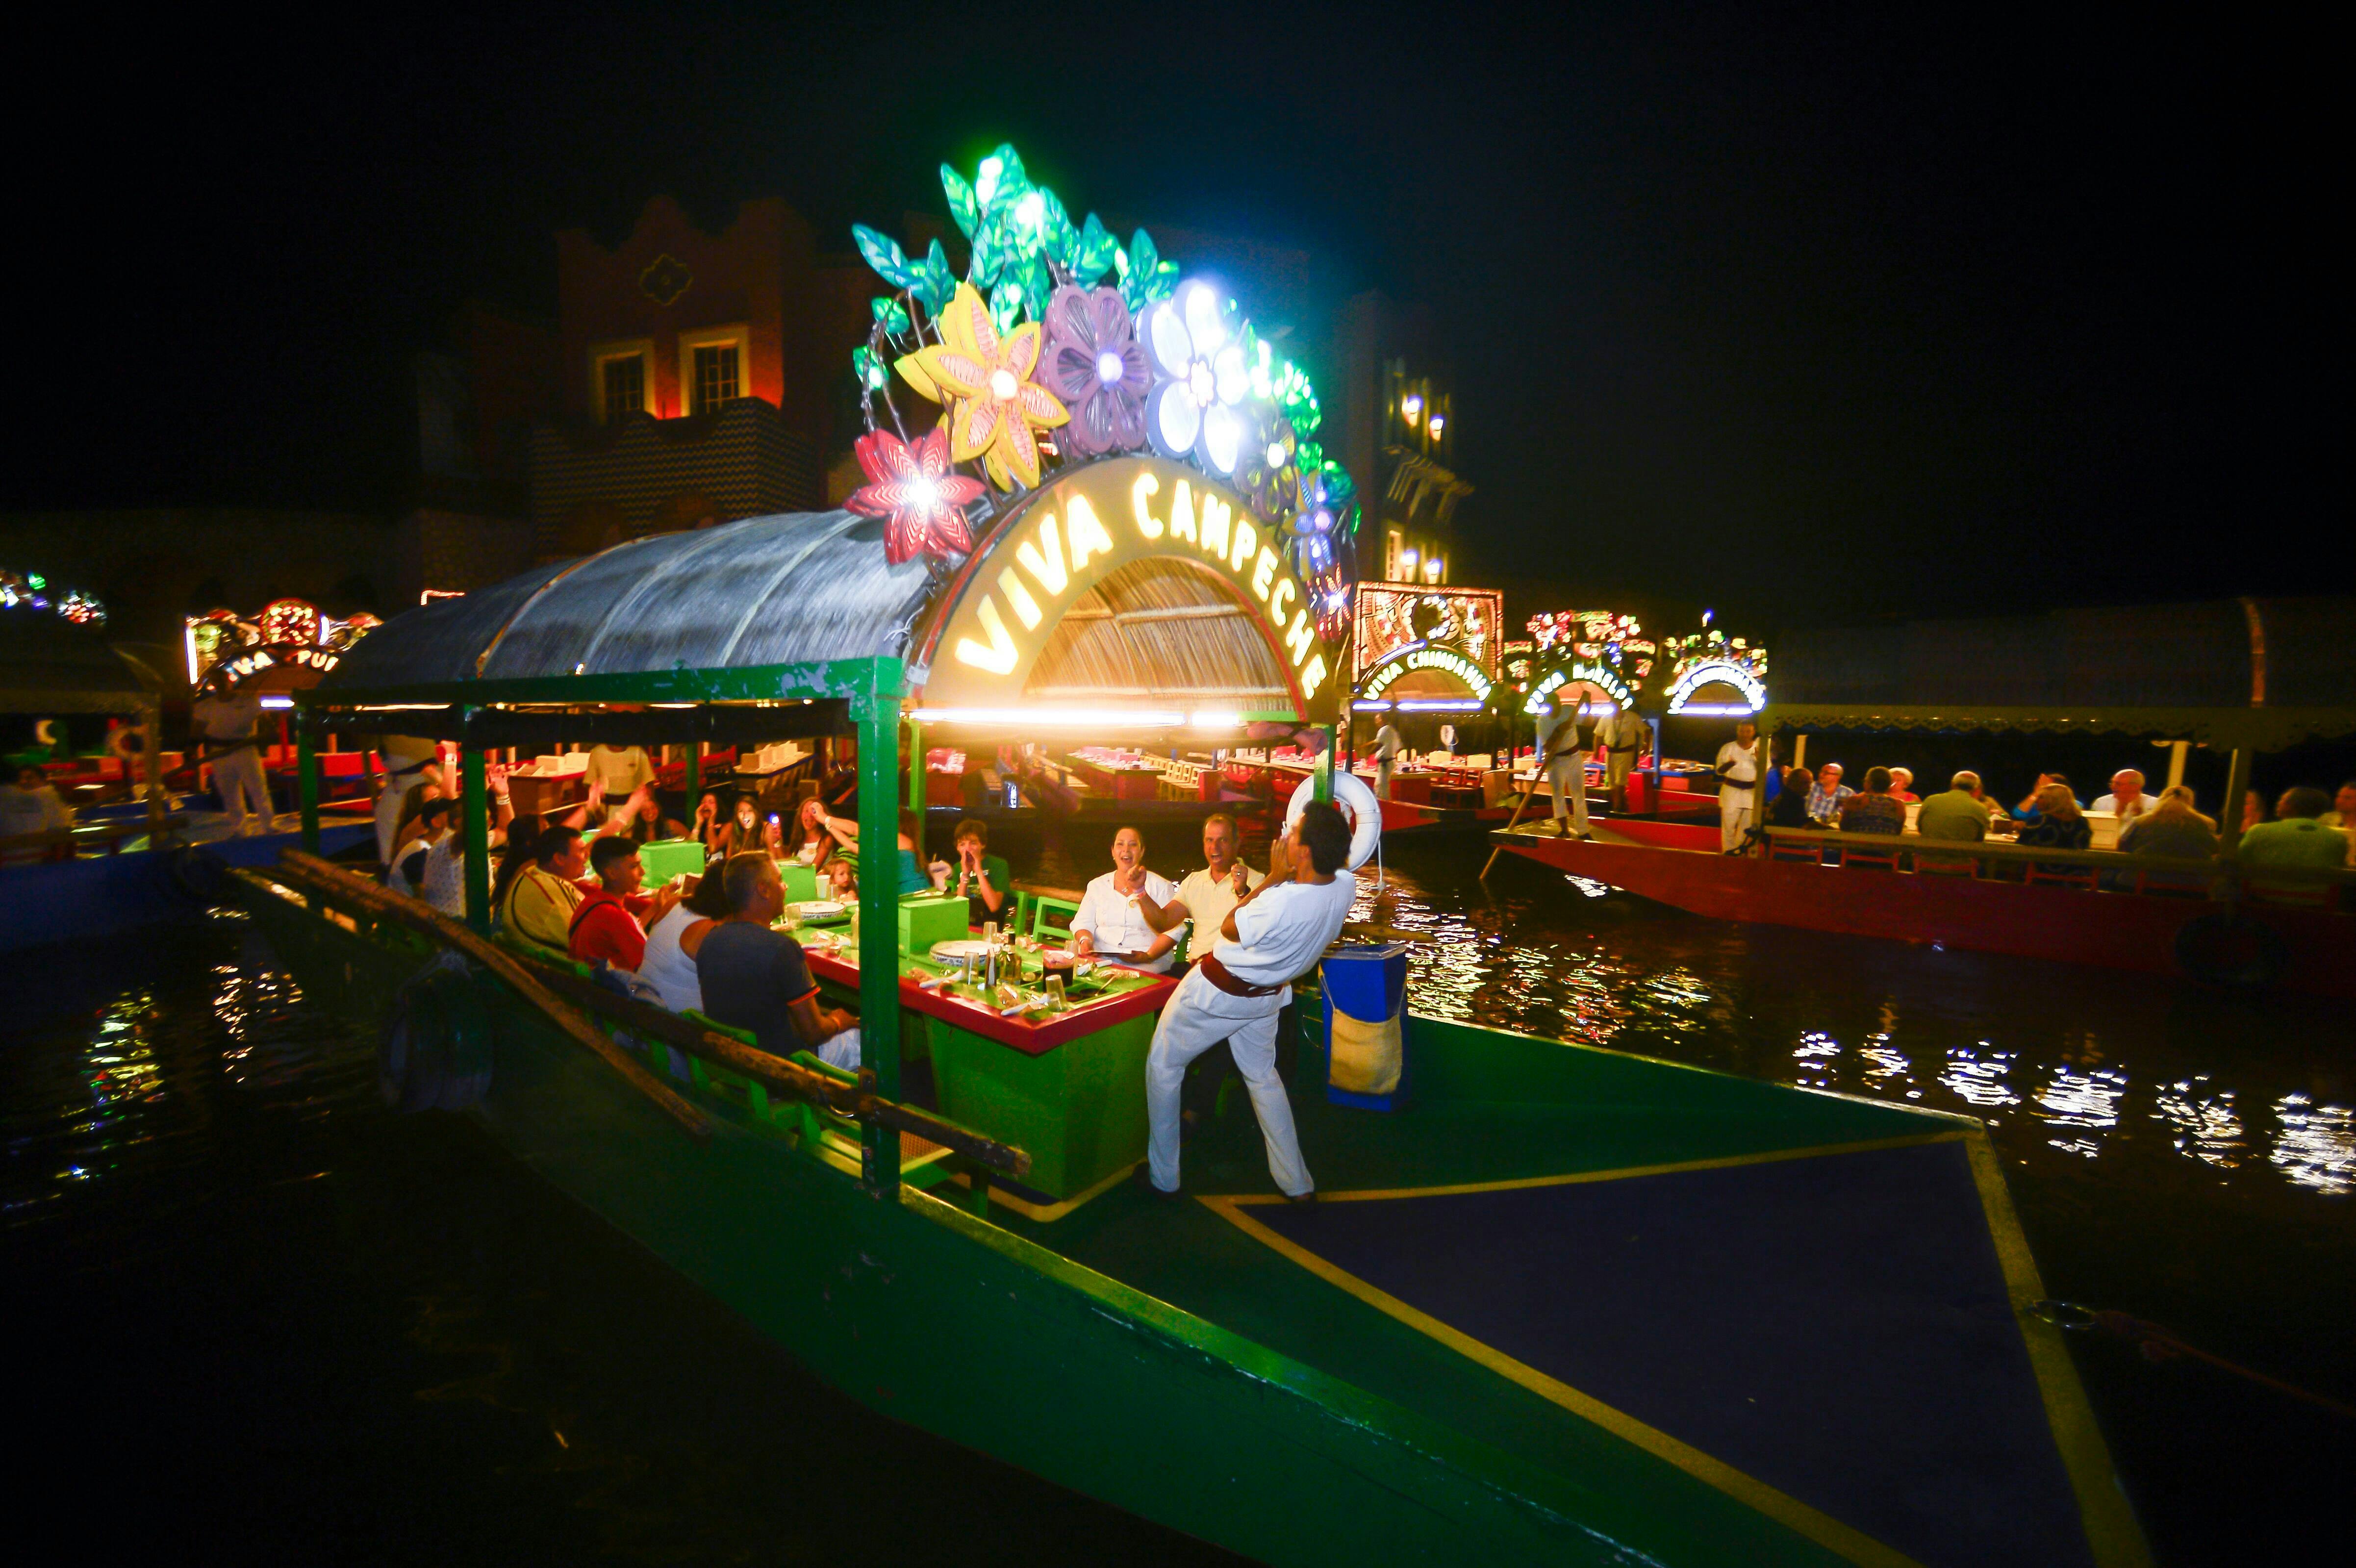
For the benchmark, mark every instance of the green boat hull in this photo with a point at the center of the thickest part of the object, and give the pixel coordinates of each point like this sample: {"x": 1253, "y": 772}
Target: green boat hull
{"x": 1035, "y": 1343}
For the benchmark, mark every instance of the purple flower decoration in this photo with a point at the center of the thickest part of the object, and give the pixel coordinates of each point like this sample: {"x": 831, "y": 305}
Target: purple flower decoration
{"x": 1095, "y": 364}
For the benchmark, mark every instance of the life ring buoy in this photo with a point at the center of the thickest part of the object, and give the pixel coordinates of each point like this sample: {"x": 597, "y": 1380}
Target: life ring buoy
{"x": 1357, "y": 799}
{"x": 2234, "y": 950}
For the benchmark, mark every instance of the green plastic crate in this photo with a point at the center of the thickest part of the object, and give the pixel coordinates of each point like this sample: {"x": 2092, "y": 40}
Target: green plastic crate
{"x": 927, "y": 919}
{"x": 666, "y": 858}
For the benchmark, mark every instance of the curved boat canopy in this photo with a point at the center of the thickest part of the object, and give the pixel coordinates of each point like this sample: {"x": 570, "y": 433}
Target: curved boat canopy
{"x": 2259, "y": 674}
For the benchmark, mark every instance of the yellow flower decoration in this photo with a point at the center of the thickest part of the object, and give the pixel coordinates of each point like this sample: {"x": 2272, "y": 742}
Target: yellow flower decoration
{"x": 985, "y": 383}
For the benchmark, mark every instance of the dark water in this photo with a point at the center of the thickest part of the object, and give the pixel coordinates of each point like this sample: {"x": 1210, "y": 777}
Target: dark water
{"x": 249, "y": 1306}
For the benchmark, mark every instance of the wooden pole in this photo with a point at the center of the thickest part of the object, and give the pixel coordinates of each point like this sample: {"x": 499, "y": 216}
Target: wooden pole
{"x": 306, "y": 776}
{"x": 1519, "y": 803}
{"x": 151, "y": 724}
{"x": 875, "y": 709}
{"x": 2228, "y": 821}
{"x": 474, "y": 809}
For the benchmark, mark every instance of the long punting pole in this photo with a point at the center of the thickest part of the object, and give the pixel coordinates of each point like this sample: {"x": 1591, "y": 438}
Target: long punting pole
{"x": 2228, "y": 821}
{"x": 875, "y": 709}
{"x": 306, "y": 776}
{"x": 476, "y": 807}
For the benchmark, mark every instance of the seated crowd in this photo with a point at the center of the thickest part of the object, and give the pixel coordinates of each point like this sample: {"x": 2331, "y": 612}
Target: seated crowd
{"x": 2307, "y": 827}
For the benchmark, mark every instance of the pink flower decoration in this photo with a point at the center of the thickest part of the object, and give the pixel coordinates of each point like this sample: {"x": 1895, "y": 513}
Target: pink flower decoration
{"x": 909, "y": 484}
{"x": 1095, "y": 364}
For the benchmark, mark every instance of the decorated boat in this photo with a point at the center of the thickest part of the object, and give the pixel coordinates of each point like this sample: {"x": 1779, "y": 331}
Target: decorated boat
{"x": 2245, "y": 677}
{"x": 1553, "y": 1303}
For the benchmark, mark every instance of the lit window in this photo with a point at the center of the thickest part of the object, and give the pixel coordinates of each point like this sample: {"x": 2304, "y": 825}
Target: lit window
{"x": 1391, "y": 556}
{"x": 1406, "y": 573}
{"x": 1435, "y": 570}
{"x": 715, "y": 377}
{"x": 624, "y": 389}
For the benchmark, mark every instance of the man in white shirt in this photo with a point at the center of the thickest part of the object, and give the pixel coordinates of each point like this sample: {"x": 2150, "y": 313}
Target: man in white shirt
{"x": 614, "y": 775}
{"x": 2127, "y": 799}
{"x": 1276, "y": 934}
{"x": 1388, "y": 743}
{"x": 1619, "y": 734}
{"x": 1564, "y": 751}
{"x": 1111, "y": 924}
{"x": 1738, "y": 786}
{"x": 409, "y": 761}
{"x": 224, "y": 722}
{"x": 1206, "y": 896}
{"x": 29, "y": 809}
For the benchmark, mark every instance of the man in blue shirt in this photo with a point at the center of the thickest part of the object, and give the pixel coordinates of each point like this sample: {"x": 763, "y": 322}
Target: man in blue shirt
{"x": 755, "y": 978}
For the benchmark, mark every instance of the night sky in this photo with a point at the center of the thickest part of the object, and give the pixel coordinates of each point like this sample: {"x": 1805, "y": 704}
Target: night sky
{"x": 1840, "y": 313}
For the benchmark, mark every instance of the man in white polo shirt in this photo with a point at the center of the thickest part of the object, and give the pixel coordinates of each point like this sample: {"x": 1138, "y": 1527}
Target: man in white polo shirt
{"x": 1206, "y": 896}
{"x": 1276, "y": 934}
{"x": 1111, "y": 921}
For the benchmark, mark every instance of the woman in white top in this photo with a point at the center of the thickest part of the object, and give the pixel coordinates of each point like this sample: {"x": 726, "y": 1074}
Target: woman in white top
{"x": 1110, "y": 923}
{"x": 672, "y": 942}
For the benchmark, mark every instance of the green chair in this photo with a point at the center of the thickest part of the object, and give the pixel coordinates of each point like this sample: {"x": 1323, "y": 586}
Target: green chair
{"x": 1060, "y": 927}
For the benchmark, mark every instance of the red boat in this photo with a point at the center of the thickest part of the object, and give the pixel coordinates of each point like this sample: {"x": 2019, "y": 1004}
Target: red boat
{"x": 2245, "y": 676}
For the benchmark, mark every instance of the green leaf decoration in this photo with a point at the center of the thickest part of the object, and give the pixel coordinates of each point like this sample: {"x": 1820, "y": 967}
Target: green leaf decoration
{"x": 869, "y": 368}
{"x": 1006, "y": 302}
{"x": 935, "y": 283}
{"x": 962, "y": 206}
{"x": 1136, "y": 267}
{"x": 1098, "y": 252}
{"x": 987, "y": 259}
{"x": 884, "y": 253}
{"x": 1013, "y": 182}
{"x": 1058, "y": 238}
{"x": 890, "y": 312}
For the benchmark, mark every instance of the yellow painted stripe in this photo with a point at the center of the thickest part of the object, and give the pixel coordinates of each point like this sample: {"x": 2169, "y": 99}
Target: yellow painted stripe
{"x": 1789, "y": 1511}
{"x": 1770, "y": 1157}
{"x": 1048, "y": 1213}
{"x": 2111, "y": 1527}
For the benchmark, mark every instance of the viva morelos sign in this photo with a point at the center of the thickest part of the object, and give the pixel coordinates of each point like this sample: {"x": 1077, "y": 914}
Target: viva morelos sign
{"x": 1083, "y": 527}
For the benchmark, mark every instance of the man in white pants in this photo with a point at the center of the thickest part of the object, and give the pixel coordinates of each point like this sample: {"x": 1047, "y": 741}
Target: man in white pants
{"x": 1388, "y": 743}
{"x": 225, "y": 722}
{"x": 1565, "y": 749}
{"x": 1276, "y": 932}
{"x": 1738, "y": 786}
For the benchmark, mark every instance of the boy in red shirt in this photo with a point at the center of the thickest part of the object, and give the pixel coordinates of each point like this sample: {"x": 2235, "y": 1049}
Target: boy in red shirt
{"x": 607, "y": 924}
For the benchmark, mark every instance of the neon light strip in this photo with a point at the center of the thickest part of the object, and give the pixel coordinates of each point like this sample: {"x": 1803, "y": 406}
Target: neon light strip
{"x": 1132, "y": 718}
{"x": 1371, "y": 707}
{"x": 277, "y": 701}
{"x": 1715, "y": 710}
{"x": 1440, "y": 705}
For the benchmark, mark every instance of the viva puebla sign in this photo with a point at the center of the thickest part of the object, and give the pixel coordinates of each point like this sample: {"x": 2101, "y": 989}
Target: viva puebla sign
{"x": 1091, "y": 523}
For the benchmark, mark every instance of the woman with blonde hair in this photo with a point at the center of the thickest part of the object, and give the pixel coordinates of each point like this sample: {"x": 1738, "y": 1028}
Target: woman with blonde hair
{"x": 2060, "y": 823}
{"x": 2173, "y": 829}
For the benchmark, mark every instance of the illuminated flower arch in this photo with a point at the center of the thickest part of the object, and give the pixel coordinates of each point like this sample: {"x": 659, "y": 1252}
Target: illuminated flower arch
{"x": 1060, "y": 346}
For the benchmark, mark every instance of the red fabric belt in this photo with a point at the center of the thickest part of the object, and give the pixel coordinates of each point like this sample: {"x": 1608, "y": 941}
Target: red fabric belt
{"x": 1216, "y": 973}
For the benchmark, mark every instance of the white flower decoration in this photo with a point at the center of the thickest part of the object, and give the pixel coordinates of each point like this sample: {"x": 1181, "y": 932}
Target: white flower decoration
{"x": 1201, "y": 380}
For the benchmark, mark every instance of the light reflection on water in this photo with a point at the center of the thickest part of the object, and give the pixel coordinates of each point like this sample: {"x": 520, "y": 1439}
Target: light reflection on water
{"x": 2074, "y": 1061}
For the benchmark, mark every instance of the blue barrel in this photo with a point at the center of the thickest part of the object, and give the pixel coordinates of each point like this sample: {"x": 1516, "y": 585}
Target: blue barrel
{"x": 1365, "y": 1026}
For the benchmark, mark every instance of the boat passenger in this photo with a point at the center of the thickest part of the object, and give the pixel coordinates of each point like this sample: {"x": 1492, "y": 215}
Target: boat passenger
{"x": 444, "y": 885}
{"x": 435, "y": 821}
{"x": 1875, "y": 811}
{"x": 2170, "y": 825}
{"x": 608, "y": 923}
{"x": 1112, "y": 924}
{"x": 1206, "y": 896}
{"x": 2055, "y": 821}
{"x": 615, "y": 775}
{"x": 810, "y": 839}
{"x": 1620, "y": 735}
{"x": 755, "y": 978}
{"x": 1789, "y": 809}
{"x": 1824, "y": 801}
{"x": 413, "y": 825}
{"x": 408, "y": 763}
{"x": 983, "y": 879}
{"x": 840, "y": 873}
{"x": 911, "y": 842}
{"x": 709, "y": 828}
{"x": 2254, "y": 809}
{"x": 1276, "y": 934}
{"x": 673, "y": 939}
{"x": 745, "y": 826}
{"x": 1901, "y": 787}
{"x": 2343, "y": 814}
{"x": 1959, "y": 813}
{"x": 2127, "y": 800}
{"x": 2297, "y": 836}
{"x": 2026, "y": 811}
{"x": 542, "y": 888}
{"x": 30, "y": 809}
{"x": 638, "y": 818}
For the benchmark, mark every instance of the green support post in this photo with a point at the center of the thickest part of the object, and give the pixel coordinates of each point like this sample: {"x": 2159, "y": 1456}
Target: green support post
{"x": 306, "y": 776}
{"x": 1322, "y": 777}
{"x": 875, "y": 709}
{"x": 694, "y": 774}
{"x": 476, "y": 807}
{"x": 917, "y": 770}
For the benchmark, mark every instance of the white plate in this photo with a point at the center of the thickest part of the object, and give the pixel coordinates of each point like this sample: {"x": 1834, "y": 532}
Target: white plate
{"x": 817, "y": 909}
